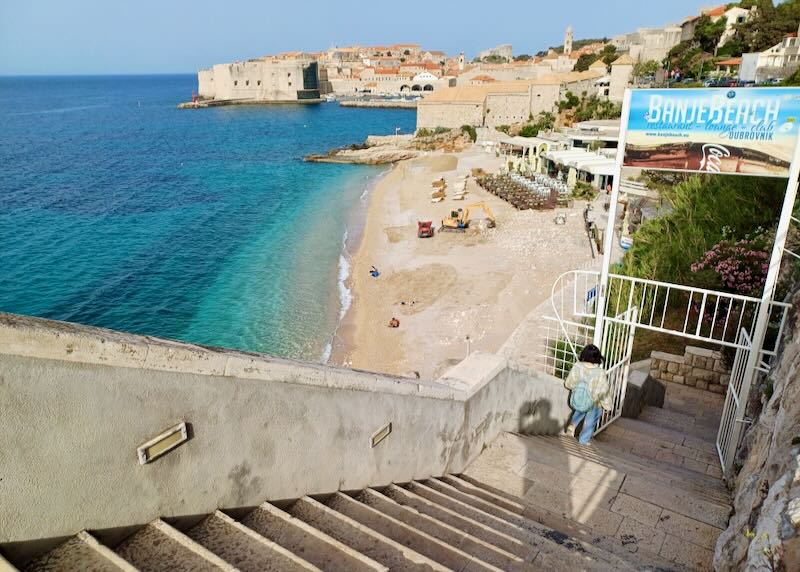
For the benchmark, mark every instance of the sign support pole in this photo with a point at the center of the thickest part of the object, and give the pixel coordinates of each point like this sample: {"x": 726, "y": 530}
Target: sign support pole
{"x": 608, "y": 239}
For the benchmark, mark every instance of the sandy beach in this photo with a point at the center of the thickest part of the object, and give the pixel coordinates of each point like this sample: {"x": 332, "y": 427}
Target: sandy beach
{"x": 479, "y": 284}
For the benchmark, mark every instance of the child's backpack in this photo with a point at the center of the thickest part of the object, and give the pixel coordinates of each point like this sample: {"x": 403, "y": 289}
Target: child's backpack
{"x": 581, "y": 398}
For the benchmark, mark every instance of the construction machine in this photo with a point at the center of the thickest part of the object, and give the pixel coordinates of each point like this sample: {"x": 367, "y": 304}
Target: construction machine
{"x": 459, "y": 220}
{"x": 425, "y": 228}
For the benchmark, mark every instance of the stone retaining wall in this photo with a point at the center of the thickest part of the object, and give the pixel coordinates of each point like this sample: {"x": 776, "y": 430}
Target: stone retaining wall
{"x": 697, "y": 367}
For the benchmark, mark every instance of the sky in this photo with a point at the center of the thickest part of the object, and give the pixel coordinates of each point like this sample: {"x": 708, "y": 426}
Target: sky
{"x": 43, "y": 37}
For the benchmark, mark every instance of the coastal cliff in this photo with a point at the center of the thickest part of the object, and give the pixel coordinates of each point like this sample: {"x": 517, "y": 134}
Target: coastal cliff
{"x": 764, "y": 531}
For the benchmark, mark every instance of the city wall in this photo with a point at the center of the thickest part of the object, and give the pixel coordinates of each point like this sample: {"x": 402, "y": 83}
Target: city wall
{"x": 78, "y": 401}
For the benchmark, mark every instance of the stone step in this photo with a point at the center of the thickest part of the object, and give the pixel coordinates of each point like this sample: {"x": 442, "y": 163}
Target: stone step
{"x": 81, "y": 552}
{"x": 307, "y": 542}
{"x": 630, "y": 515}
{"x": 554, "y": 549}
{"x": 244, "y": 547}
{"x": 691, "y": 401}
{"x": 406, "y": 535}
{"x": 701, "y": 427}
{"x": 450, "y": 535}
{"x": 687, "y": 544}
{"x": 692, "y": 464}
{"x": 625, "y": 454}
{"x": 363, "y": 539}
{"x": 404, "y": 496}
{"x": 606, "y": 462}
{"x": 656, "y": 433}
{"x": 564, "y": 551}
{"x": 159, "y": 547}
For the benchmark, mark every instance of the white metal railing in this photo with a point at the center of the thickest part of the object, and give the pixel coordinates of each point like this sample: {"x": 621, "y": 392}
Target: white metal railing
{"x": 563, "y": 334}
{"x": 617, "y": 349}
{"x": 731, "y": 425}
{"x": 693, "y": 313}
{"x": 559, "y": 345}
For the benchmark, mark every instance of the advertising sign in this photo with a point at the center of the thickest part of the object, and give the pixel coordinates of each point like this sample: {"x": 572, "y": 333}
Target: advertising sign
{"x": 745, "y": 131}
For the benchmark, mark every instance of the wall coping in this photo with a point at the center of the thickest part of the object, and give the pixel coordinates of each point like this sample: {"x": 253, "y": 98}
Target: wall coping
{"x": 28, "y": 336}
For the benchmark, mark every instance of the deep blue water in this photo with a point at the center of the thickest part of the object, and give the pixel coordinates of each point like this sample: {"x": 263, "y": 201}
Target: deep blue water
{"x": 119, "y": 210}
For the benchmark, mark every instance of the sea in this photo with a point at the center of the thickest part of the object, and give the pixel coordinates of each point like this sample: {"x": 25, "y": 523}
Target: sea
{"x": 119, "y": 210}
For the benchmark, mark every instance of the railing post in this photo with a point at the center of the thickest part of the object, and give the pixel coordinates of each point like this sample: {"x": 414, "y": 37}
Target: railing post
{"x": 608, "y": 242}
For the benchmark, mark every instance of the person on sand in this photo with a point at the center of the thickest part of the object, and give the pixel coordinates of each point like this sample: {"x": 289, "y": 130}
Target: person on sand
{"x": 394, "y": 323}
{"x": 590, "y": 395}
{"x": 374, "y": 272}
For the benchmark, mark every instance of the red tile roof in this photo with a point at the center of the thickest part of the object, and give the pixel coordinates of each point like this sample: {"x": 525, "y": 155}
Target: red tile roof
{"x": 718, "y": 11}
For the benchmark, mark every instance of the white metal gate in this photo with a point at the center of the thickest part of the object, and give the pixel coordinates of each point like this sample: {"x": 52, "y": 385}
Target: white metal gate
{"x": 617, "y": 348}
{"x": 732, "y": 423}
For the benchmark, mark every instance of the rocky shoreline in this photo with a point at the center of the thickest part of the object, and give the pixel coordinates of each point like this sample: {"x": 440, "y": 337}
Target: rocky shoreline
{"x": 385, "y": 150}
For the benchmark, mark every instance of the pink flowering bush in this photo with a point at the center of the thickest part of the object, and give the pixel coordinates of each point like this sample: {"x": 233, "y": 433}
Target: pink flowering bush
{"x": 738, "y": 266}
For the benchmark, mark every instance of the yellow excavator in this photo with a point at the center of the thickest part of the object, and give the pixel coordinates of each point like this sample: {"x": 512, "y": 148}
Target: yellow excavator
{"x": 459, "y": 220}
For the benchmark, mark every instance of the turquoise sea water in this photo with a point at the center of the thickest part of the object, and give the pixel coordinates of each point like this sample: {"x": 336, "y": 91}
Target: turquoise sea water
{"x": 118, "y": 210}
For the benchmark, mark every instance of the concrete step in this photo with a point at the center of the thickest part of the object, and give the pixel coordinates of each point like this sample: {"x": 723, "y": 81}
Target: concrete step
{"x": 159, "y": 547}
{"x": 614, "y": 457}
{"x": 700, "y": 426}
{"x": 393, "y": 555}
{"x": 687, "y": 544}
{"x": 692, "y": 401}
{"x": 81, "y": 552}
{"x": 557, "y": 550}
{"x": 314, "y": 546}
{"x": 419, "y": 541}
{"x": 657, "y": 434}
{"x": 457, "y": 519}
{"x": 450, "y": 535}
{"x": 690, "y": 463}
{"x": 592, "y": 489}
{"x": 244, "y": 547}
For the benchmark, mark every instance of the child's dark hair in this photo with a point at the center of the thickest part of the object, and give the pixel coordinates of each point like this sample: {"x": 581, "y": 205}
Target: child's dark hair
{"x": 591, "y": 354}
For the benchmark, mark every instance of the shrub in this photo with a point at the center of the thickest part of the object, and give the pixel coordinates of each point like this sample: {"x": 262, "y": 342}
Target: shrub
{"x": 702, "y": 207}
{"x": 504, "y": 128}
{"x": 470, "y": 130}
{"x": 584, "y": 191}
{"x": 738, "y": 266}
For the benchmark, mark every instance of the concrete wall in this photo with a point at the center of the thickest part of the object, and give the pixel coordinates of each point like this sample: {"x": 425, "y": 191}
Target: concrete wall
{"x": 76, "y": 402}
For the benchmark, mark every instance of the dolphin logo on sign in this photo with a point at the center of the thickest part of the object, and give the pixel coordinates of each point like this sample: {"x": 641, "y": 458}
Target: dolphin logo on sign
{"x": 712, "y": 157}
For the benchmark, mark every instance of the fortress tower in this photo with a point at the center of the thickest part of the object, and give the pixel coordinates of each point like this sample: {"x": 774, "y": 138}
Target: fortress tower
{"x": 568, "y": 41}
{"x": 461, "y": 61}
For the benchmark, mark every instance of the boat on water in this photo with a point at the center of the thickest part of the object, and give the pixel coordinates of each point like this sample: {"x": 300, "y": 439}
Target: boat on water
{"x": 330, "y": 97}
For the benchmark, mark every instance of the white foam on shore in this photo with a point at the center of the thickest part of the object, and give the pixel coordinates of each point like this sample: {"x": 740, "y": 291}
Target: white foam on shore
{"x": 345, "y": 293}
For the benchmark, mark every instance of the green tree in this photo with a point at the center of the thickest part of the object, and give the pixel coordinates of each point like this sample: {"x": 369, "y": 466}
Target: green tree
{"x": 585, "y": 60}
{"x": 523, "y": 58}
{"x": 570, "y": 101}
{"x": 609, "y": 54}
{"x": 708, "y": 33}
{"x": 643, "y": 69}
{"x": 769, "y": 25}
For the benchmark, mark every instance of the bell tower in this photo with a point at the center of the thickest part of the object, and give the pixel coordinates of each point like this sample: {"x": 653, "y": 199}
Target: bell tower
{"x": 568, "y": 41}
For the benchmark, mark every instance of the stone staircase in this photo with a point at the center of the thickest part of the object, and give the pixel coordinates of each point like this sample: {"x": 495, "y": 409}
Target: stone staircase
{"x": 643, "y": 489}
{"x": 642, "y": 496}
